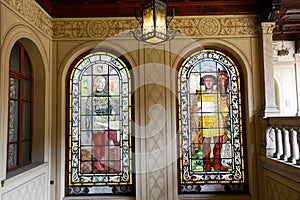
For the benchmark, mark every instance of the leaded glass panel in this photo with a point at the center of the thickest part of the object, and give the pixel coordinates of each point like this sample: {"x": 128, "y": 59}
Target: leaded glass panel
{"x": 14, "y": 88}
{"x": 210, "y": 133}
{"x": 100, "y": 147}
{"x": 12, "y": 158}
{"x": 13, "y": 121}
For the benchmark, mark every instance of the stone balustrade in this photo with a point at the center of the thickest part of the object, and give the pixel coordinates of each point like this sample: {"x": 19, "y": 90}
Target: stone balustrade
{"x": 283, "y": 139}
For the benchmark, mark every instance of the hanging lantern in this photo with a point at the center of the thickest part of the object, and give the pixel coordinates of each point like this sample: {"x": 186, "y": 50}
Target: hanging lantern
{"x": 154, "y": 23}
{"x": 284, "y": 51}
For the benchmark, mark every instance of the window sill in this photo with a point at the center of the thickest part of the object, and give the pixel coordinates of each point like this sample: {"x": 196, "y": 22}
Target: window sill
{"x": 23, "y": 171}
{"x": 214, "y": 196}
{"x": 98, "y": 197}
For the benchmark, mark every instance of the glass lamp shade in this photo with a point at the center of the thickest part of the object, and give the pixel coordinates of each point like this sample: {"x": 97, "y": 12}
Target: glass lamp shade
{"x": 154, "y": 22}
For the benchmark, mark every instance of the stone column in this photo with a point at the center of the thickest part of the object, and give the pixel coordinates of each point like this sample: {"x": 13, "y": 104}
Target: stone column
{"x": 297, "y": 74}
{"x": 270, "y": 106}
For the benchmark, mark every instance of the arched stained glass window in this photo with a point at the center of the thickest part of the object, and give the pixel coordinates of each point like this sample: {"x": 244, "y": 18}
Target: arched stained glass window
{"x": 99, "y": 139}
{"x": 211, "y": 135}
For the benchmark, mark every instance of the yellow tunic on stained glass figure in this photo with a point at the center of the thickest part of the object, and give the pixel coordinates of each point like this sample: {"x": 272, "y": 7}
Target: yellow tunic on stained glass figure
{"x": 210, "y": 116}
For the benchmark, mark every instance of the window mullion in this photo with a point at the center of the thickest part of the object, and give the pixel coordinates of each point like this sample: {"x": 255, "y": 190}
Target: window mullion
{"x": 21, "y": 123}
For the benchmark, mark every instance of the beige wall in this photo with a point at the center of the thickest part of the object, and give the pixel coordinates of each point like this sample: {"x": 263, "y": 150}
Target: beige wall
{"x": 23, "y": 21}
{"x": 55, "y": 44}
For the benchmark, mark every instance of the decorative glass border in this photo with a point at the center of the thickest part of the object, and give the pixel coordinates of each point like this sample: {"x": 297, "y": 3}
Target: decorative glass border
{"x": 233, "y": 179}
{"x": 117, "y": 182}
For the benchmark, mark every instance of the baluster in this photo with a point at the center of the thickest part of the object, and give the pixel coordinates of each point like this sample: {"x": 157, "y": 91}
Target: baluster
{"x": 286, "y": 145}
{"x": 279, "y": 147}
{"x": 294, "y": 146}
{"x": 271, "y": 142}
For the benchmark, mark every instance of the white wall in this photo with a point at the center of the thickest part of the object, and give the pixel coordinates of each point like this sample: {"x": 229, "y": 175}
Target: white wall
{"x": 284, "y": 74}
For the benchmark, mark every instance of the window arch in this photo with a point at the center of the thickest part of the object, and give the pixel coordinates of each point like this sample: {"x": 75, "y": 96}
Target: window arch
{"x": 211, "y": 134}
{"x": 99, "y": 142}
{"x": 19, "y": 142}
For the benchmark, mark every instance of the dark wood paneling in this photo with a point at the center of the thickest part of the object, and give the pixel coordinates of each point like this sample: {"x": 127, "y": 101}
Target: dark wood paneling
{"x": 124, "y": 8}
{"x": 286, "y": 14}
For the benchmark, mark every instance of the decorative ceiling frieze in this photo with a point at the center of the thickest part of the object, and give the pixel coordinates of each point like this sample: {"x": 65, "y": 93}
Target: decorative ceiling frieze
{"x": 285, "y": 14}
{"x": 101, "y": 28}
{"x": 189, "y": 26}
{"x": 30, "y": 11}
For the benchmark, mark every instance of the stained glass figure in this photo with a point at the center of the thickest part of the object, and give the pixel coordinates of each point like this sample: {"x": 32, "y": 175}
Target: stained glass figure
{"x": 210, "y": 128}
{"x": 100, "y": 145}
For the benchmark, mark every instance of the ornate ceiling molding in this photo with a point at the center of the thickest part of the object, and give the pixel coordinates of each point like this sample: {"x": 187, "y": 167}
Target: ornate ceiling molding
{"x": 33, "y": 13}
{"x": 217, "y": 26}
{"x": 101, "y": 28}
{"x": 93, "y": 28}
{"x": 221, "y": 26}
